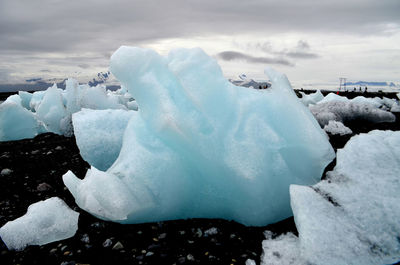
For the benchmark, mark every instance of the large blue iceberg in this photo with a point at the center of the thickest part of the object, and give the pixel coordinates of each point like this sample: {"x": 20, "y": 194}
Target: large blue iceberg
{"x": 200, "y": 147}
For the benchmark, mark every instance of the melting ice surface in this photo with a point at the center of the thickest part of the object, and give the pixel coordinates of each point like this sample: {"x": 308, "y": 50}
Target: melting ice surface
{"x": 201, "y": 147}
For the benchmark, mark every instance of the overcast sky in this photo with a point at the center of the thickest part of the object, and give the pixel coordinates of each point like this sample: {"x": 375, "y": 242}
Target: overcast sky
{"x": 313, "y": 42}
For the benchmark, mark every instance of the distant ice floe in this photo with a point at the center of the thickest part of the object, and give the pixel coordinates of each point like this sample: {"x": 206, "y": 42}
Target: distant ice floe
{"x": 28, "y": 114}
{"x": 334, "y": 107}
{"x": 353, "y": 216}
{"x": 347, "y": 111}
{"x": 312, "y": 98}
{"x": 200, "y": 146}
{"x": 45, "y": 221}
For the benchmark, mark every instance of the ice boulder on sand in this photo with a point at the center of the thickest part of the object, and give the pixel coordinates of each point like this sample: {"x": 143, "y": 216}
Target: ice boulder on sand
{"x": 353, "y": 216}
{"x": 201, "y": 147}
{"x": 45, "y": 221}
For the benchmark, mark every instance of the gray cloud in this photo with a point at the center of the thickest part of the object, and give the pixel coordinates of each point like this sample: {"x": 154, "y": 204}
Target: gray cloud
{"x": 49, "y": 25}
{"x": 301, "y": 55}
{"x": 301, "y": 51}
{"x": 39, "y": 28}
{"x": 232, "y": 55}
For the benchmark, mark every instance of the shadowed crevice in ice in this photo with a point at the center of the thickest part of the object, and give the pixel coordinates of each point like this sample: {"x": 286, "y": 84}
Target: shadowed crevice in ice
{"x": 201, "y": 147}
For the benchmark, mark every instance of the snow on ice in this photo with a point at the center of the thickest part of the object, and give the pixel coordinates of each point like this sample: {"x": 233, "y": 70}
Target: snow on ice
{"x": 352, "y": 216}
{"x": 201, "y": 147}
{"x": 45, "y": 221}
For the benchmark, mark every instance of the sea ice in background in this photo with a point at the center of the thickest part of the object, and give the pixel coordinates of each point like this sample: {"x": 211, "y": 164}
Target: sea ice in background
{"x": 99, "y": 135}
{"x": 51, "y": 109}
{"x": 27, "y": 114}
{"x": 201, "y": 147}
{"x": 336, "y": 127}
{"x": 45, "y": 221}
{"x": 346, "y": 111}
{"x": 18, "y": 123}
{"x": 313, "y": 98}
{"x": 353, "y": 216}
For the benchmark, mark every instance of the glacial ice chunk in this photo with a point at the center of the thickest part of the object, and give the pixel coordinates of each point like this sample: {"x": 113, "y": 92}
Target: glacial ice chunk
{"x": 311, "y": 99}
{"x": 99, "y": 134}
{"x": 36, "y": 99}
{"x": 52, "y": 110}
{"x": 45, "y": 221}
{"x": 17, "y": 123}
{"x": 352, "y": 217}
{"x": 26, "y": 98}
{"x": 346, "y": 111}
{"x": 201, "y": 147}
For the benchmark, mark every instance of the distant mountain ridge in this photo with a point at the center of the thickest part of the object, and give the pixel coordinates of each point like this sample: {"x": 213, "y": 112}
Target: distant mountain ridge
{"x": 369, "y": 83}
{"x": 35, "y": 84}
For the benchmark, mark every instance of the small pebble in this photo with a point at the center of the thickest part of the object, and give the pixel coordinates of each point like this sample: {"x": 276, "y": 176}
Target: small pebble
{"x": 6, "y": 172}
{"x": 190, "y": 257}
{"x": 66, "y": 253}
{"x": 181, "y": 260}
{"x": 118, "y": 246}
{"x": 58, "y": 148}
{"x": 43, "y": 186}
{"x": 199, "y": 233}
{"x": 210, "y": 232}
{"x": 53, "y": 250}
{"x": 63, "y": 248}
{"x": 85, "y": 238}
{"x": 148, "y": 254}
{"x": 162, "y": 236}
{"x": 107, "y": 243}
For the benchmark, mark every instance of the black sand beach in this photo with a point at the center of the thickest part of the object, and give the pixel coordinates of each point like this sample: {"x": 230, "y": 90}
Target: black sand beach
{"x": 37, "y": 166}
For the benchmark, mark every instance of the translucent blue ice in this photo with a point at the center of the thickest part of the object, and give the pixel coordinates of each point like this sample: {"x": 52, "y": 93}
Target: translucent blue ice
{"x": 201, "y": 147}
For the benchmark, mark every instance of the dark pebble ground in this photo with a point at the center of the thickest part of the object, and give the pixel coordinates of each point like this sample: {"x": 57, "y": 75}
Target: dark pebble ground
{"x": 37, "y": 167}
